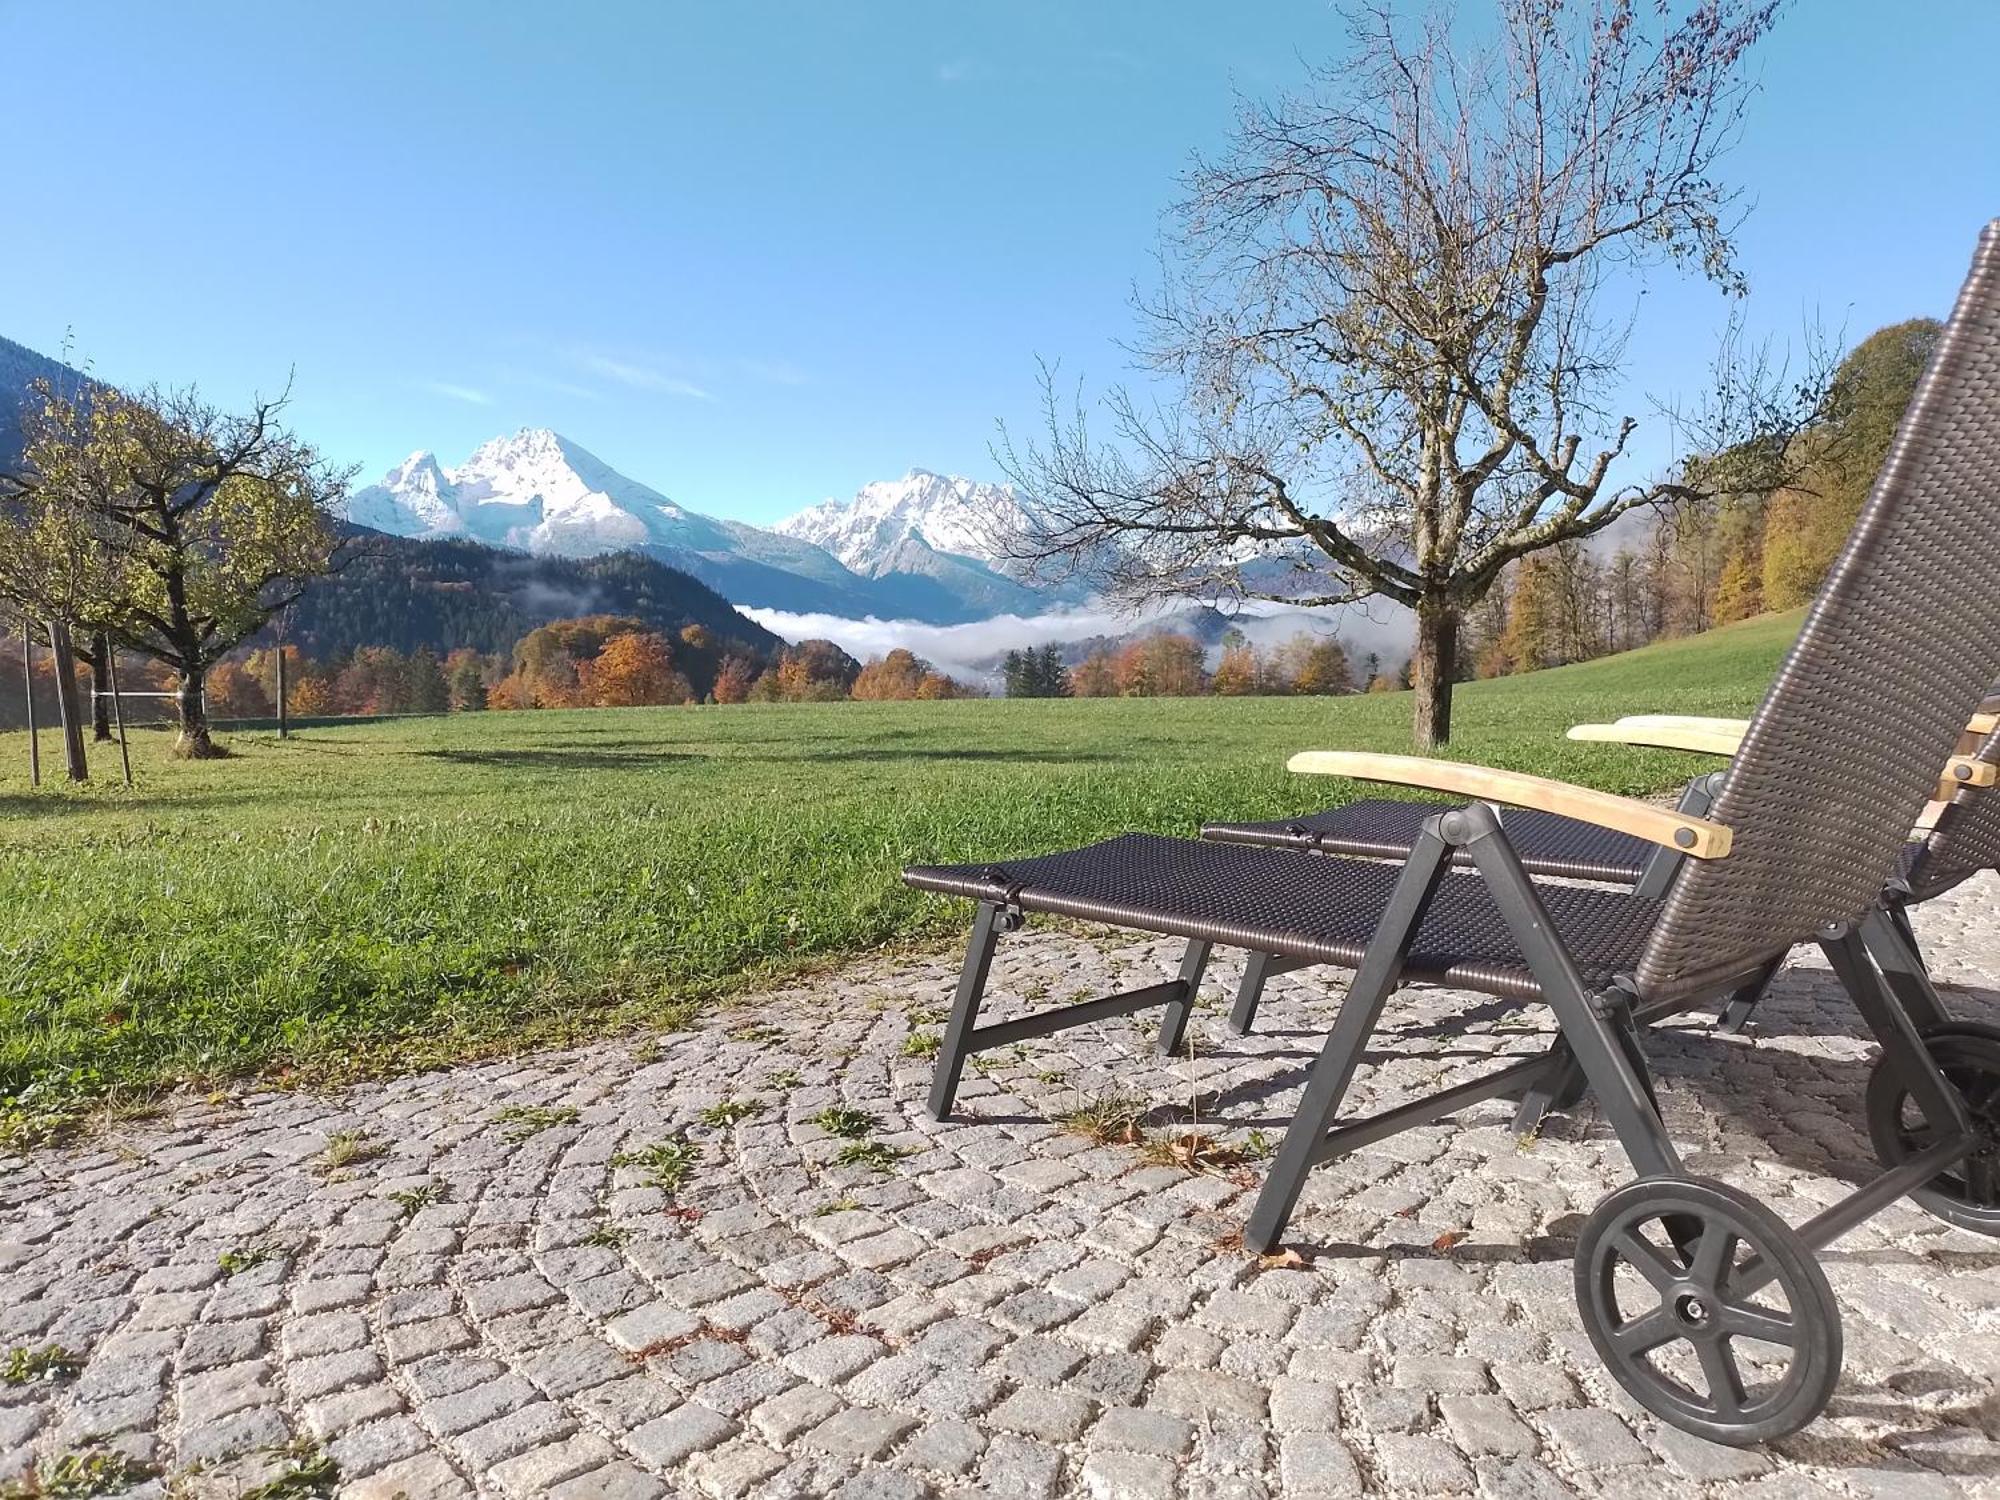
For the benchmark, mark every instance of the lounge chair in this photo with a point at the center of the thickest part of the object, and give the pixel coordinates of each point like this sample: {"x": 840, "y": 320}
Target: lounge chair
{"x": 1804, "y": 832}
{"x": 1552, "y": 845}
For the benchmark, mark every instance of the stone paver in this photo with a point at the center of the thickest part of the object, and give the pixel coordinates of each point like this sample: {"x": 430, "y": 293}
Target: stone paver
{"x": 471, "y": 1307}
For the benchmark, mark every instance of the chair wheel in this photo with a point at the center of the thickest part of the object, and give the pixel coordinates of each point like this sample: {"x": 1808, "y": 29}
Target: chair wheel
{"x": 1967, "y": 1193}
{"x": 1671, "y": 1325}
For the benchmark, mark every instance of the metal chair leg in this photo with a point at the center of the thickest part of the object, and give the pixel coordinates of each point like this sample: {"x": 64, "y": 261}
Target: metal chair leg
{"x": 1374, "y": 981}
{"x": 1735, "y": 1012}
{"x": 1173, "y": 1025}
{"x": 953, "y": 1050}
{"x": 1244, "y": 1012}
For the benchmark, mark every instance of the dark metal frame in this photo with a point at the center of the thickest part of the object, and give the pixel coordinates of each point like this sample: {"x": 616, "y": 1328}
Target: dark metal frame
{"x": 963, "y": 1038}
{"x": 1598, "y": 1046}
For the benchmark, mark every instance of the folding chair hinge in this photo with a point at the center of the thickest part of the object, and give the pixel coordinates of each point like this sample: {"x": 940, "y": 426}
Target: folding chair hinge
{"x": 1615, "y": 1005}
{"x": 1006, "y": 899}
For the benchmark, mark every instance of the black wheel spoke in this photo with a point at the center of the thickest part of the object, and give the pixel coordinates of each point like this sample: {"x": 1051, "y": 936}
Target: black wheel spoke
{"x": 1645, "y": 1332}
{"x": 1714, "y": 1254}
{"x": 1747, "y": 1321}
{"x": 1648, "y": 1259}
{"x": 1725, "y": 1382}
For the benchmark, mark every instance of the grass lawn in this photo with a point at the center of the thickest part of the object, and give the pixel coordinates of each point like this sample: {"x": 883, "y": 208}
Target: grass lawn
{"x": 392, "y": 895}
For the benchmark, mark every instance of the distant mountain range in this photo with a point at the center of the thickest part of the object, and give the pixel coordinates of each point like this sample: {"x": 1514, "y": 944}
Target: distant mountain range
{"x": 407, "y": 592}
{"x": 926, "y": 547}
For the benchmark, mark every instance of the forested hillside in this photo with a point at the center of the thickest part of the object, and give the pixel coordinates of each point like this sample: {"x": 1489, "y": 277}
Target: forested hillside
{"x": 448, "y": 595}
{"x": 1694, "y": 567}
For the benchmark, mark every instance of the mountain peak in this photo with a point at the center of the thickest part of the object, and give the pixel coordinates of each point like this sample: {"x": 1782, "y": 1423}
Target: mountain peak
{"x": 874, "y": 532}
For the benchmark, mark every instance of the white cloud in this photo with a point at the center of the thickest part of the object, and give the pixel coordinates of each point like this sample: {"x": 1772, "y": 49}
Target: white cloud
{"x": 468, "y": 394}
{"x": 638, "y": 376}
{"x": 954, "y": 72}
{"x": 961, "y": 650}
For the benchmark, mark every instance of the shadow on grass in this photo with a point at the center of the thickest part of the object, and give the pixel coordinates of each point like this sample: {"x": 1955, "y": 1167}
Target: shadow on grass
{"x": 593, "y": 759}
{"x": 994, "y": 757}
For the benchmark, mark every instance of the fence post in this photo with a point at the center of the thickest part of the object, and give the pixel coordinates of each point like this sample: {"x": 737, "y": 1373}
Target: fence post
{"x": 118, "y": 710}
{"x": 28, "y": 683}
{"x": 100, "y": 713}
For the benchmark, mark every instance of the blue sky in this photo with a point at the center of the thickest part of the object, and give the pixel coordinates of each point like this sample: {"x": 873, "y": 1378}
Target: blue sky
{"x": 755, "y": 253}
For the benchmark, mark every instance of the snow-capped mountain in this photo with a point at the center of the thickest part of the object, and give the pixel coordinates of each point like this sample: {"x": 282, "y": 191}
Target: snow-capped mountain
{"x": 538, "y": 492}
{"x": 535, "y": 491}
{"x": 941, "y": 512}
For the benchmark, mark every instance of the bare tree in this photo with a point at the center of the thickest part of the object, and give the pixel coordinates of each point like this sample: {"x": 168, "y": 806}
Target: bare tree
{"x": 1381, "y": 323}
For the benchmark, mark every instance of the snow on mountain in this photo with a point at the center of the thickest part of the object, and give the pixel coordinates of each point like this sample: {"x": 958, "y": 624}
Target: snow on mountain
{"x": 873, "y": 532}
{"x": 538, "y": 492}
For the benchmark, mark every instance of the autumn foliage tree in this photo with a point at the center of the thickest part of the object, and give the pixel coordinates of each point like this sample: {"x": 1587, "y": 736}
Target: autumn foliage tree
{"x": 735, "y": 679}
{"x": 174, "y": 529}
{"x": 634, "y": 669}
{"x": 900, "y": 675}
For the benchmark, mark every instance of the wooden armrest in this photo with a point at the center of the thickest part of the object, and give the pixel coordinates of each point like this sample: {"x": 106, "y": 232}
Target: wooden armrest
{"x": 1642, "y": 820}
{"x": 1980, "y": 724}
{"x": 1667, "y": 735}
{"x": 1960, "y": 772}
{"x": 1687, "y": 721}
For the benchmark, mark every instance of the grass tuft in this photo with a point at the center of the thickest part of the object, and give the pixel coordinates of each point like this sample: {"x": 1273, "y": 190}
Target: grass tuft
{"x": 841, "y": 1120}
{"x": 416, "y": 1199}
{"x": 664, "y": 1164}
{"x": 1114, "y": 1119}
{"x": 78, "y": 1476}
{"x": 309, "y": 1473}
{"x": 876, "y": 1156}
{"x": 348, "y": 1148}
{"x": 730, "y": 1111}
{"x": 25, "y": 1366}
{"x": 248, "y": 1257}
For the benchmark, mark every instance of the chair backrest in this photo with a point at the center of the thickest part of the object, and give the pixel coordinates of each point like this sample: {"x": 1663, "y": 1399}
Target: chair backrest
{"x": 1899, "y": 647}
{"x": 1966, "y": 837}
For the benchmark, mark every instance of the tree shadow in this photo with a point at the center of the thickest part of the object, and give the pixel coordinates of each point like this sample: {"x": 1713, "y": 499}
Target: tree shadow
{"x": 893, "y": 756}
{"x": 44, "y": 804}
{"x": 590, "y": 759}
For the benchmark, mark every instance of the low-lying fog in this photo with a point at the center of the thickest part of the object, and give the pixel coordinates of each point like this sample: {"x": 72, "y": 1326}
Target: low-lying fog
{"x": 969, "y": 652}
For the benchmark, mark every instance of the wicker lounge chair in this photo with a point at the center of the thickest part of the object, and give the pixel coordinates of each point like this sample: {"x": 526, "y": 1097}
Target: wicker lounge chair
{"x": 1550, "y": 844}
{"x": 1673, "y": 1271}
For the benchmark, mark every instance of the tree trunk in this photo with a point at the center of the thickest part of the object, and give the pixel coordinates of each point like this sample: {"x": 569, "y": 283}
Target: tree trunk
{"x": 1433, "y": 669}
{"x": 69, "y": 702}
{"x": 194, "y": 742}
{"x": 100, "y": 701}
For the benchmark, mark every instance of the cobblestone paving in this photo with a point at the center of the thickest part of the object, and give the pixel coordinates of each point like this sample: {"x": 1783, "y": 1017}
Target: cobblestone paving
{"x": 473, "y": 1282}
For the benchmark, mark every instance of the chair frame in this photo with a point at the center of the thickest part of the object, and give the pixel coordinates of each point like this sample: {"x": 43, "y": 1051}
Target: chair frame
{"x": 1598, "y": 1041}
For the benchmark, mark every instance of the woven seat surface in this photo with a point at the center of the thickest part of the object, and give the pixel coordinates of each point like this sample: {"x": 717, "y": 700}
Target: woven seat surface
{"x": 1301, "y": 906}
{"x": 1381, "y": 828}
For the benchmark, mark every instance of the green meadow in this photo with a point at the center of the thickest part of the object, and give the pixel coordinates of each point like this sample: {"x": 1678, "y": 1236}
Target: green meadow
{"x": 408, "y": 893}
